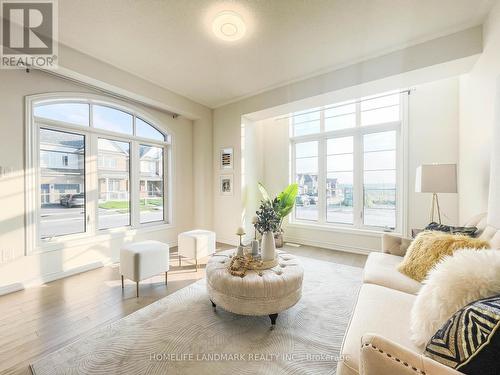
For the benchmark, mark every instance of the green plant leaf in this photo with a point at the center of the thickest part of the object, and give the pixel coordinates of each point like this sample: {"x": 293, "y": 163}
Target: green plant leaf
{"x": 286, "y": 200}
{"x": 263, "y": 191}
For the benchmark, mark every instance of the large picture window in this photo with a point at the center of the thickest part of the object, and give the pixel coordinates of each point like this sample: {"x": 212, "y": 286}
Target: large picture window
{"x": 346, "y": 159}
{"x": 151, "y": 183}
{"x": 113, "y": 173}
{"x": 62, "y": 183}
{"x": 306, "y": 172}
{"x": 97, "y": 165}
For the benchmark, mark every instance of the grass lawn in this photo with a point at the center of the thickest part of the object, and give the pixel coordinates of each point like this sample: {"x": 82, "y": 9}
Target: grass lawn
{"x": 124, "y": 205}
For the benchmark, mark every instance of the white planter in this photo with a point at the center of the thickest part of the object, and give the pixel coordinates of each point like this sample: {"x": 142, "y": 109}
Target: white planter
{"x": 268, "y": 248}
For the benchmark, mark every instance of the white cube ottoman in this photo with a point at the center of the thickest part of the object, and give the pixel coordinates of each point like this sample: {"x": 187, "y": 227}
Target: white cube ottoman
{"x": 141, "y": 260}
{"x": 196, "y": 244}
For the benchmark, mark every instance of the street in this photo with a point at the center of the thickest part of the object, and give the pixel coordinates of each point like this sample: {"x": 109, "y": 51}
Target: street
{"x": 373, "y": 216}
{"x": 57, "y": 220}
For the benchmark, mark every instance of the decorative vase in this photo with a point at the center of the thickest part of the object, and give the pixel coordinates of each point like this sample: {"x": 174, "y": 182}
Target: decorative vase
{"x": 255, "y": 248}
{"x": 278, "y": 239}
{"x": 239, "y": 252}
{"x": 268, "y": 247}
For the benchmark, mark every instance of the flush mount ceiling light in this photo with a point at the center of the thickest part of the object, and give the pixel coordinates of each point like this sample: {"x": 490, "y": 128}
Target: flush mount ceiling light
{"x": 228, "y": 26}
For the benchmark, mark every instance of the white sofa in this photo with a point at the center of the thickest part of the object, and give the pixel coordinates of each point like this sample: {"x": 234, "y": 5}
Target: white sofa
{"x": 377, "y": 341}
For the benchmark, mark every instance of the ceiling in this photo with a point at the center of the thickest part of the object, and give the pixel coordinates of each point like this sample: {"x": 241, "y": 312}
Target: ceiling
{"x": 170, "y": 42}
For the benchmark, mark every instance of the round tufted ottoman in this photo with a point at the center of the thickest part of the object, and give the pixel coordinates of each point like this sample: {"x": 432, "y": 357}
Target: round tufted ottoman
{"x": 265, "y": 292}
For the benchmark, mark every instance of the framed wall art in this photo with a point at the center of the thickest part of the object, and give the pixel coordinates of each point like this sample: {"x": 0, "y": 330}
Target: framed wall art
{"x": 226, "y": 184}
{"x": 226, "y": 158}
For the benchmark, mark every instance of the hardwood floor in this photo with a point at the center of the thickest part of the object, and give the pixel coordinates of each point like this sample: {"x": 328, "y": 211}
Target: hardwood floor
{"x": 40, "y": 320}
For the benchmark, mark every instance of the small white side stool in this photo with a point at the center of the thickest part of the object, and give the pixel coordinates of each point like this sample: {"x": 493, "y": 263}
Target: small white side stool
{"x": 142, "y": 260}
{"x": 196, "y": 244}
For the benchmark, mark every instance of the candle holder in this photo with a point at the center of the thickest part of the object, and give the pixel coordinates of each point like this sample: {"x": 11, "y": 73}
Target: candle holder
{"x": 240, "y": 232}
{"x": 255, "y": 219}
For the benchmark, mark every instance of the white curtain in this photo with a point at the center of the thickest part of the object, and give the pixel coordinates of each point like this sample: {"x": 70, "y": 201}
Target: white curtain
{"x": 494, "y": 194}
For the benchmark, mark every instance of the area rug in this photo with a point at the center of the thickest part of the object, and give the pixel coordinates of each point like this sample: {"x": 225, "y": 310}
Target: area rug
{"x": 182, "y": 334}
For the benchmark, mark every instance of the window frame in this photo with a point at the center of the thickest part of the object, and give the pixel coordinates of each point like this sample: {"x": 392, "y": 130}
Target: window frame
{"x": 357, "y": 132}
{"x": 35, "y": 244}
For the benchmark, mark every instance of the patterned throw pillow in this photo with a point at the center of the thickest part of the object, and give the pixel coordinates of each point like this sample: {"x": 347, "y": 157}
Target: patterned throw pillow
{"x": 469, "y": 341}
{"x": 468, "y": 231}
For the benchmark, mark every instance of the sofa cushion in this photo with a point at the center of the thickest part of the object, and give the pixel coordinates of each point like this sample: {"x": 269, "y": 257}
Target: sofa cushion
{"x": 381, "y": 269}
{"x": 492, "y": 235}
{"x": 429, "y": 247}
{"x": 381, "y": 311}
{"x": 478, "y": 221}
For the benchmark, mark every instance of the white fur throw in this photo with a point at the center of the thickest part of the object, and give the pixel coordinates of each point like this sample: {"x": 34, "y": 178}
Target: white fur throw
{"x": 453, "y": 283}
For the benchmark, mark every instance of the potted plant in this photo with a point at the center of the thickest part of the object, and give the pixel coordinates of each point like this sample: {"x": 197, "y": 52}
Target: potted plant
{"x": 267, "y": 224}
{"x": 284, "y": 203}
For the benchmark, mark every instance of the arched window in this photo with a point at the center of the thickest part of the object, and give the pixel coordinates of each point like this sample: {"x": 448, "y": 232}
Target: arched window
{"x": 95, "y": 165}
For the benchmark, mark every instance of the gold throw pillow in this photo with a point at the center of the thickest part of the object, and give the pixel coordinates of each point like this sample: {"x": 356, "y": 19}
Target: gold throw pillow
{"x": 429, "y": 247}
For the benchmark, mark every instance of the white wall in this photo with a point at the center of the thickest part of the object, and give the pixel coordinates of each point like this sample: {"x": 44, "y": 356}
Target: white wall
{"x": 15, "y": 85}
{"x": 494, "y": 195}
{"x": 444, "y": 57}
{"x": 477, "y": 119}
{"x": 202, "y": 173}
{"x": 252, "y": 172}
{"x": 433, "y": 138}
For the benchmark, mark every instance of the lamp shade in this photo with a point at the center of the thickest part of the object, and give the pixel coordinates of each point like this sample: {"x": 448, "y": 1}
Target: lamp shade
{"x": 436, "y": 178}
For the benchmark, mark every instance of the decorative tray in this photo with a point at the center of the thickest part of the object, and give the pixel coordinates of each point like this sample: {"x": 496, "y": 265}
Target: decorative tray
{"x": 258, "y": 264}
{"x": 240, "y": 264}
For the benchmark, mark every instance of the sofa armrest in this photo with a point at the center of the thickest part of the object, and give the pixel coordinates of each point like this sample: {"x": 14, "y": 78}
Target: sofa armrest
{"x": 381, "y": 356}
{"x": 394, "y": 244}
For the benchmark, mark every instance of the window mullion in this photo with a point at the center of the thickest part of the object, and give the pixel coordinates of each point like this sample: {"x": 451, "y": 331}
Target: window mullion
{"x": 358, "y": 172}
{"x": 35, "y": 201}
{"x": 322, "y": 121}
{"x": 322, "y": 171}
{"x": 293, "y": 174}
{"x": 91, "y": 183}
{"x": 358, "y": 182}
{"x": 322, "y": 180}
{"x": 167, "y": 191}
{"x": 91, "y": 116}
{"x": 402, "y": 169}
{"x": 134, "y": 184}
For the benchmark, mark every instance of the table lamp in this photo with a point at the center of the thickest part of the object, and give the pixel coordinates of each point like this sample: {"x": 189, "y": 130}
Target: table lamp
{"x": 436, "y": 178}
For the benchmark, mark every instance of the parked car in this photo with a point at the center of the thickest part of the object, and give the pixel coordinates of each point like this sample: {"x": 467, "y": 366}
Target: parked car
{"x": 304, "y": 200}
{"x": 72, "y": 200}
{"x": 63, "y": 199}
{"x": 313, "y": 200}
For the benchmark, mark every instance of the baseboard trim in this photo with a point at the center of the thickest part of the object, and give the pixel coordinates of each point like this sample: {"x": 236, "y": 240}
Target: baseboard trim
{"x": 66, "y": 273}
{"x": 47, "y": 278}
{"x": 316, "y": 243}
{"x": 330, "y": 245}
{"x": 11, "y": 288}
